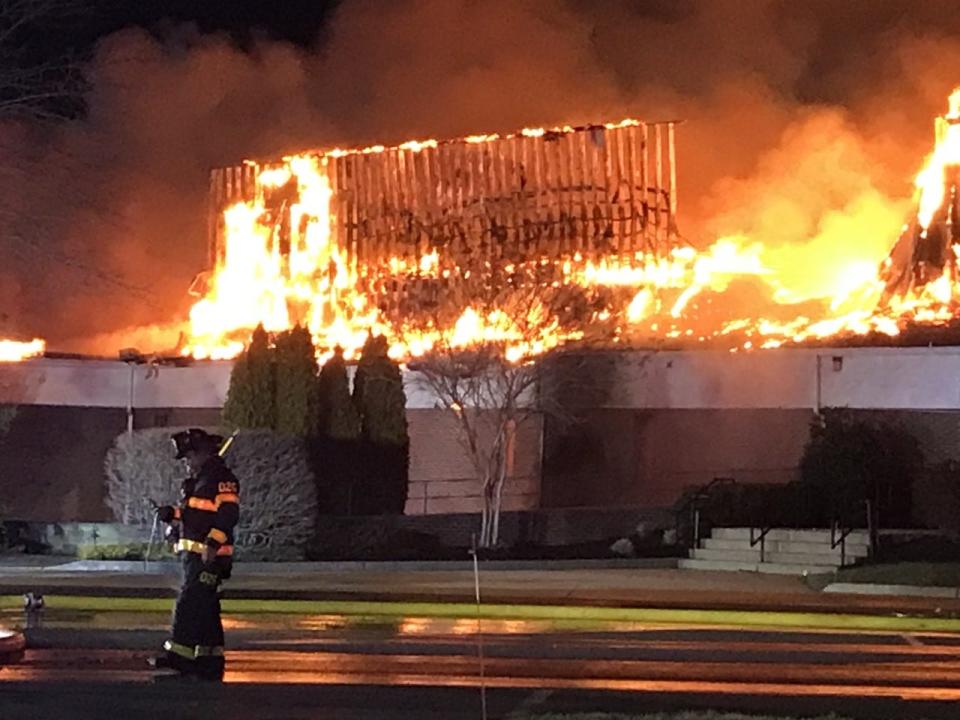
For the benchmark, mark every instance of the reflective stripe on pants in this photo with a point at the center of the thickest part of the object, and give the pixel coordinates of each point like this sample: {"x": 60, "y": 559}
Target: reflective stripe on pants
{"x": 197, "y": 627}
{"x": 191, "y": 653}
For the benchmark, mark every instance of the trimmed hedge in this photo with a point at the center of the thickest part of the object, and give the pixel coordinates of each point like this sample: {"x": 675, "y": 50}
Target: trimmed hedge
{"x": 277, "y": 489}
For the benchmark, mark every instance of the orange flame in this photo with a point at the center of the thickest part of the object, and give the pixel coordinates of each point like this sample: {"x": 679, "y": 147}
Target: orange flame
{"x": 15, "y": 351}
{"x": 634, "y": 298}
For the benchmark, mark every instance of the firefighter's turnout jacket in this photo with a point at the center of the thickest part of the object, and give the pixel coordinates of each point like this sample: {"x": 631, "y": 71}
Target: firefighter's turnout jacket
{"x": 208, "y": 511}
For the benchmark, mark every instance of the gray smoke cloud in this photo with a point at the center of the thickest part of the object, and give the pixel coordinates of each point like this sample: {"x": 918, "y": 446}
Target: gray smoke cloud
{"x": 808, "y": 107}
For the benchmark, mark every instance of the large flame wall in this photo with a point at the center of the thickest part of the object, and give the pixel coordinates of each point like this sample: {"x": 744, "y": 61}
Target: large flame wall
{"x": 536, "y": 239}
{"x": 417, "y": 241}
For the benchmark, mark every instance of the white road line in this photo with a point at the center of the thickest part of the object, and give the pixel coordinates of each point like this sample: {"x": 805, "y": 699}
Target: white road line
{"x": 912, "y": 640}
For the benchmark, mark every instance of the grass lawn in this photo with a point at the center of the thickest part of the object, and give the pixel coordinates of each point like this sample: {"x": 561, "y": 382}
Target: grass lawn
{"x": 583, "y": 615}
{"x": 940, "y": 574}
{"x": 709, "y": 715}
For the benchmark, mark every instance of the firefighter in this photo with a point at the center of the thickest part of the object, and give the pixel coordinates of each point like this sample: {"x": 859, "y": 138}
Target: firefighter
{"x": 204, "y": 522}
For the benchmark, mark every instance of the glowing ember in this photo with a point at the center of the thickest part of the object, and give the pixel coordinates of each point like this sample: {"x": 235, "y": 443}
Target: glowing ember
{"x": 14, "y": 351}
{"x": 628, "y": 298}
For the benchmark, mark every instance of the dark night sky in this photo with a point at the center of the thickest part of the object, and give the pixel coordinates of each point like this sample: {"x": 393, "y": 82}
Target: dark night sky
{"x": 296, "y": 21}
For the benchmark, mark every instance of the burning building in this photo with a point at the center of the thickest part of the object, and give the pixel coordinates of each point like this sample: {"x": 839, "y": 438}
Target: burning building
{"x": 536, "y": 239}
{"x": 533, "y": 240}
{"x": 516, "y": 238}
{"x": 16, "y": 350}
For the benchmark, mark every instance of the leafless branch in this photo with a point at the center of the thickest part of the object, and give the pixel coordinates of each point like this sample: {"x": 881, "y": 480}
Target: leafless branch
{"x": 32, "y": 86}
{"x": 496, "y": 383}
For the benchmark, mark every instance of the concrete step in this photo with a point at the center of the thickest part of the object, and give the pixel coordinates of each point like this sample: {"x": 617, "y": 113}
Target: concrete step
{"x": 810, "y": 558}
{"x": 765, "y": 567}
{"x": 786, "y": 546}
{"x": 822, "y": 535}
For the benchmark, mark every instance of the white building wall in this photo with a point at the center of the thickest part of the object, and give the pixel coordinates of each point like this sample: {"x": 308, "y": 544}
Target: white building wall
{"x": 867, "y": 378}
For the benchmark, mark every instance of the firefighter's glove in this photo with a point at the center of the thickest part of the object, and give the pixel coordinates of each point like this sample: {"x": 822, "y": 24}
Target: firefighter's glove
{"x": 208, "y": 554}
{"x": 166, "y": 513}
{"x": 172, "y": 534}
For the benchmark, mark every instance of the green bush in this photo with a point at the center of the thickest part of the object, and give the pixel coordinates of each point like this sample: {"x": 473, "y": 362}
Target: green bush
{"x": 295, "y": 367}
{"x": 140, "y": 467}
{"x": 337, "y": 443}
{"x": 379, "y": 395}
{"x": 278, "y": 501}
{"x": 385, "y": 443}
{"x": 278, "y": 495}
{"x": 338, "y": 417}
{"x": 251, "y": 398}
{"x": 850, "y": 459}
{"x": 125, "y": 551}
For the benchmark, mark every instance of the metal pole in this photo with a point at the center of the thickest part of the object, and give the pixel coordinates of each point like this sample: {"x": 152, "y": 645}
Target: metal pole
{"x": 133, "y": 369}
{"x": 476, "y": 589}
{"x": 672, "y": 159}
{"x": 153, "y": 532}
{"x": 819, "y": 384}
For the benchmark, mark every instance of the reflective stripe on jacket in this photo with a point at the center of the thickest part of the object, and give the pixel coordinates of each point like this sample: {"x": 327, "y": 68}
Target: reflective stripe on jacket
{"x": 210, "y": 509}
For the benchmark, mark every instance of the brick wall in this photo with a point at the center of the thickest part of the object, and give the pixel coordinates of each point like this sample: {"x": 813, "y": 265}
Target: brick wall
{"x": 51, "y": 463}
{"x": 544, "y": 527}
{"x": 443, "y": 479}
{"x": 647, "y": 457}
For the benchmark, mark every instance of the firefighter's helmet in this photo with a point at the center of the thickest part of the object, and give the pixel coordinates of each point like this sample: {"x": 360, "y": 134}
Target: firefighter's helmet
{"x": 195, "y": 439}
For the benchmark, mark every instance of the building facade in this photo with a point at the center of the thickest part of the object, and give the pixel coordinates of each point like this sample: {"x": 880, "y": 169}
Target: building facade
{"x": 665, "y": 421}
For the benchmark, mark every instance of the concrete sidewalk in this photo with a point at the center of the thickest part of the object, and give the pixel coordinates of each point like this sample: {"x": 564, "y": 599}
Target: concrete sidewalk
{"x": 544, "y": 584}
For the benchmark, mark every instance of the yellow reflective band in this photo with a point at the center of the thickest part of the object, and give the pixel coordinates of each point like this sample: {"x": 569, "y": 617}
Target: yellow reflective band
{"x": 219, "y": 535}
{"x": 208, "y": 651}
{"x": 202, "y": 504}
{"x": 197, "y": 547}
{"x": 191, "y": 653}
{"x": 227, "y": 498}
{"x": 178, "y": 649}
{"x": 189, "y": 546}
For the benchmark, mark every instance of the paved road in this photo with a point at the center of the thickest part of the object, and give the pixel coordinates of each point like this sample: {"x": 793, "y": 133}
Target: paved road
{"x": 93, "y": 664}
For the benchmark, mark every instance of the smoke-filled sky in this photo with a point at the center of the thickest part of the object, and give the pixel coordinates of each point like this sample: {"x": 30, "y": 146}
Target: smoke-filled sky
{"x": 805, "y": 122}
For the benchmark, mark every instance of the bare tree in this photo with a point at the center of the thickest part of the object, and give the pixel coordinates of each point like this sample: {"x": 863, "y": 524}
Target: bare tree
{"x": 491, "y": 399}
{"x": 35, "y": 85}
{"x": 523, "y": 361}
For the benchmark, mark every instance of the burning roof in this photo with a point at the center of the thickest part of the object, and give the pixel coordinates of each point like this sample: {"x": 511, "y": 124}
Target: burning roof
{"x": 524, "y": 239}
{"x": 537, "y": 239}
{"x": 16, "y": 350}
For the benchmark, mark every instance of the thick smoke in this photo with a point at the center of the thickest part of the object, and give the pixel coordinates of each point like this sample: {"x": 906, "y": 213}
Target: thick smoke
{"x": 804, "y": 125}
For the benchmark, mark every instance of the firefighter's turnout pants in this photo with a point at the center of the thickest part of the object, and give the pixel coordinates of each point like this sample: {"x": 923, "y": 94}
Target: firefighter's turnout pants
{"x": 197, "y": 642}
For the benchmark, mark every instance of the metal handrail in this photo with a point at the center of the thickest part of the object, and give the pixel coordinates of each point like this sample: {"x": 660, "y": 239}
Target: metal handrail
{"x": 841, "y": 540}
{"x": 691, "y": 504}
{"x": 761, "y": 538}
{"x": 839, "y": 531}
